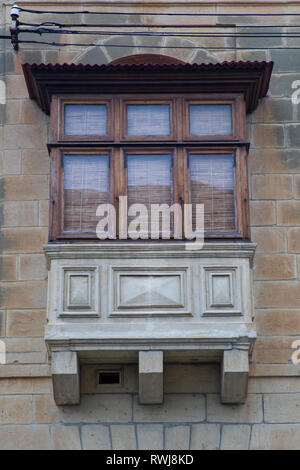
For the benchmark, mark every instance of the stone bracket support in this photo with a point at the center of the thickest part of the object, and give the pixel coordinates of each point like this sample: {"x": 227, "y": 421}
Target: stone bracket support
{"x": 65, "y": 377}
{"x": 151, "y": 377}
{"x": 234, "y": 376}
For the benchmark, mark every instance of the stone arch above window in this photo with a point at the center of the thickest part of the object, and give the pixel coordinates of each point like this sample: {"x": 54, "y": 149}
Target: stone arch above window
{"x": 139, "y": 59}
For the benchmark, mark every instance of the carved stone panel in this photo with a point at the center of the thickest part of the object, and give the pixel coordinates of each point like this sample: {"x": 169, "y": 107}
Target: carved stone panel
{"x": 80, "y": 292}
{"x": 138, "y": 291}
{"x": 221, "y": 291}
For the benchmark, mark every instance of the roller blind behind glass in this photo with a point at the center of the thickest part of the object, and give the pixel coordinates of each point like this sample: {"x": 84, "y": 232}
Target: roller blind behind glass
{"x": 148, "y": 120}
{"x": 210, "y": 119}
{"x": 212, "y": 184}
{"x": 85, "y": 187}
{"x": 149, "y": 181}
{"x": 85, "y": 120}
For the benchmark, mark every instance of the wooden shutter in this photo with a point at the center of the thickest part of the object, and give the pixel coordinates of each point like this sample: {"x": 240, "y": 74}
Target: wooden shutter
{"x": 149, "y": 181}
{"x": 85, "y": 187}
{"x": 212, "y": 184}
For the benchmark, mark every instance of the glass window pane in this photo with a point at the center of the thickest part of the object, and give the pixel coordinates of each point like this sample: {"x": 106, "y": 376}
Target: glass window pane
{"x": 149, "y": 181}
{"x": 85, "y": 187}
{"x": 148, "y": 119}
{"x": 210, "y": 119}
{"x": 85, "y": 119}
{"x": 212, "y": 184}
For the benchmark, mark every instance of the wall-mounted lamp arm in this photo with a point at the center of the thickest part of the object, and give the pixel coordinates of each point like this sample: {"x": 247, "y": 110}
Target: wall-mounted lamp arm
{"x": 14, "y": 13}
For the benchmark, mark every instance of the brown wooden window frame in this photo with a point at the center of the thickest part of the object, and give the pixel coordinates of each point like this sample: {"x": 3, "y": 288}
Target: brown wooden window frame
{"x": 58, "y": 131}
{"x": 238, "y": 119}
{"x": 240, "y": 185}
{"x": 179, "y": 143}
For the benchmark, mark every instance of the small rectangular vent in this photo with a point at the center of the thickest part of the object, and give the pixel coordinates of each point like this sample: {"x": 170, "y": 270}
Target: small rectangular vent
{"x": 109, "y": 377}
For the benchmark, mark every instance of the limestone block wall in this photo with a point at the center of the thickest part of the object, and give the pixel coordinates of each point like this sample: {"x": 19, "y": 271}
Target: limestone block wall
{"x": 191, "y": 416}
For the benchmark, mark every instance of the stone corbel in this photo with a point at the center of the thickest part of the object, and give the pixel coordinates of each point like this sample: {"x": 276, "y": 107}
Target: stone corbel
{"x": 151, "y": 377}
{"x": 234, "y": 376}
{"x": 65, "y": 377}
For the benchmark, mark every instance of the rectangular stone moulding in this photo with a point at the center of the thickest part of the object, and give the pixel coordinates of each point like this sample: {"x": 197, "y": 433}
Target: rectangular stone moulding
{"x": 222, "y": 291}
{"x": 154, "y": 291}
{"x": 80, "y": 295}
{"x": 79, "y": 291}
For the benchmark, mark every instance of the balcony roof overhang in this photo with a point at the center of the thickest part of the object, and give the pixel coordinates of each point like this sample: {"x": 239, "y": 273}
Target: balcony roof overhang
{"x": 249, "y": 78}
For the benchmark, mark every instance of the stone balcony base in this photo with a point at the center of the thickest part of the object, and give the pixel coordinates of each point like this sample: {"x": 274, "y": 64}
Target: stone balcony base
{"x": 150, "y": 304}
